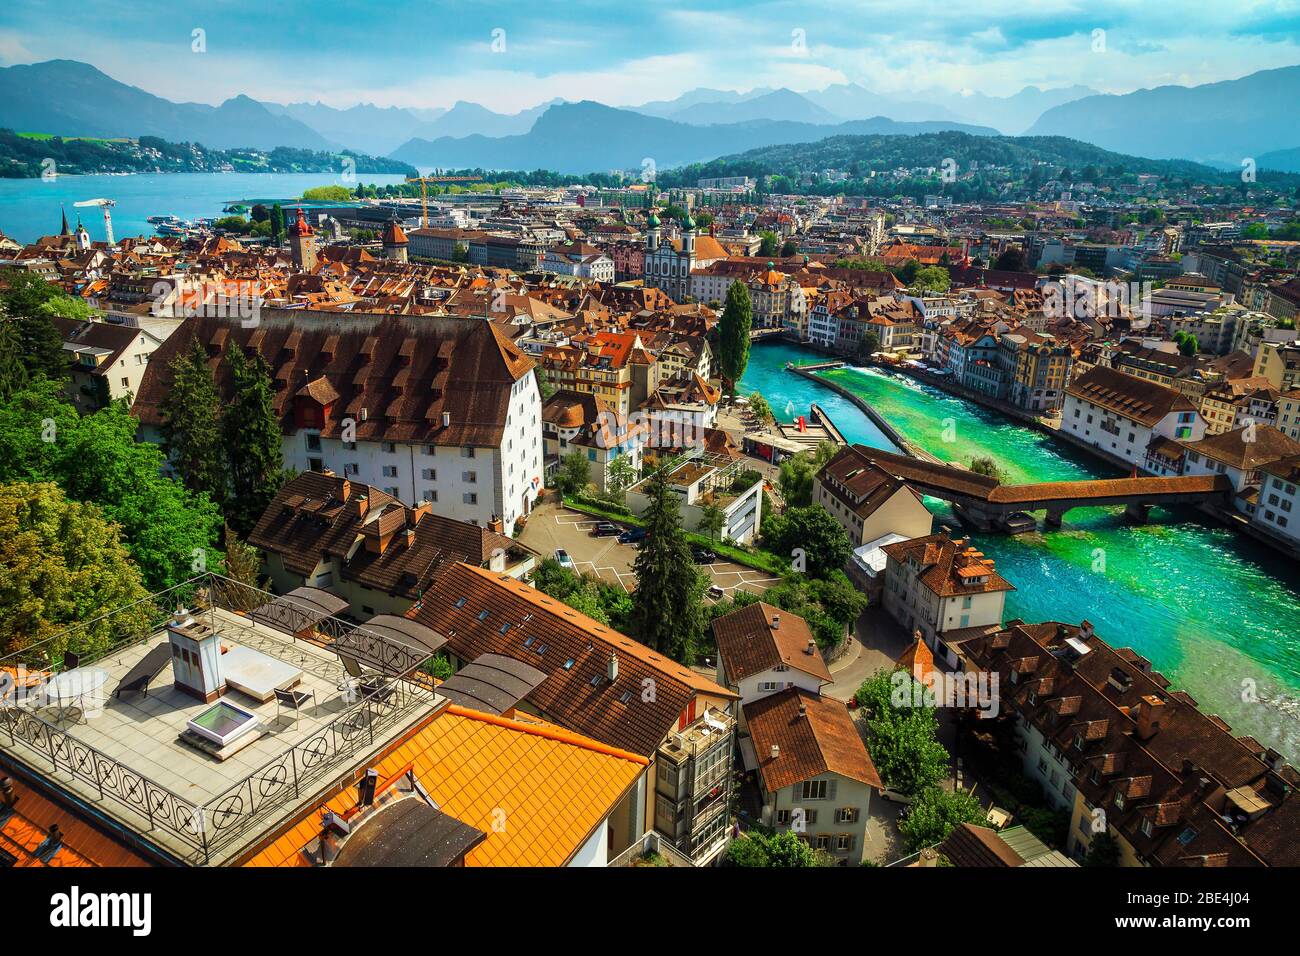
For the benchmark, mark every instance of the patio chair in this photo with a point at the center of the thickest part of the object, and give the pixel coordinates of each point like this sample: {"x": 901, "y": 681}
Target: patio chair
{"x": 71, "y": 661}
{"x": 138, "y": 678}
{"x": 353, "y": 673}
{"x": 376, "y": 689}
{"x": 295, "y": 700}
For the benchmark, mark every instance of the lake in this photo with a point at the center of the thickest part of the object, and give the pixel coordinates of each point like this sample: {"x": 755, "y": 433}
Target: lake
{"x": 30, "y": 208}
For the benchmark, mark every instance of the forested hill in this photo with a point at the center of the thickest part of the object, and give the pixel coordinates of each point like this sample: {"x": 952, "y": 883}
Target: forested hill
{"x": 26, "y": 155}
{"x": 982, "y": 165}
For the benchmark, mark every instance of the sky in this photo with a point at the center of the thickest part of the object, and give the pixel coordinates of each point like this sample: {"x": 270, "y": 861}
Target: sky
{"x": 511, "y": 55}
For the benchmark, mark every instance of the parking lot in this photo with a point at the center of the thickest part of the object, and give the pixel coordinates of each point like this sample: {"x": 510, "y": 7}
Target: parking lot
{"x": 551, "y": 527}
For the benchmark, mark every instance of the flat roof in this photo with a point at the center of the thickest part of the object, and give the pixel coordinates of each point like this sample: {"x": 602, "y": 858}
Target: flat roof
{"x": 126, "y": 760}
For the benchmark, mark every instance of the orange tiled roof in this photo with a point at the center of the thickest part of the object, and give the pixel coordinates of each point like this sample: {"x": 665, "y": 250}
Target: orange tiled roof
{"x": 23, "y": 832}
{"x": 537, "y": 791}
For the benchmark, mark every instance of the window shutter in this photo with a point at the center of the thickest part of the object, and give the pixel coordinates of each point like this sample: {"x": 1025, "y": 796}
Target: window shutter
{"x": 830, "y": 789}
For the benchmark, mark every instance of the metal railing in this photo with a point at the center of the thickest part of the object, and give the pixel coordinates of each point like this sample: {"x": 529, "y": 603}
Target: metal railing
{"x": 397, "y": 692}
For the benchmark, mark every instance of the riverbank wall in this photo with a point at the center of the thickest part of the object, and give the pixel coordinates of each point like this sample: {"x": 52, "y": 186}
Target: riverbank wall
{"x": 862, "y": 405}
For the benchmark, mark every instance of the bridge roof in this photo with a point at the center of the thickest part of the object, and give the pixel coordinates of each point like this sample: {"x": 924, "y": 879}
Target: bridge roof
{"x": 1105, "y": 488}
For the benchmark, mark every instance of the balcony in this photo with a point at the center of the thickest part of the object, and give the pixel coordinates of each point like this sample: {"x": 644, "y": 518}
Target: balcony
{"x": 130, "y": 758}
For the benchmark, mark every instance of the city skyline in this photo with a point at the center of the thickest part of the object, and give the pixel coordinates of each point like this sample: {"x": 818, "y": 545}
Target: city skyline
{"x": 509, "y": 59}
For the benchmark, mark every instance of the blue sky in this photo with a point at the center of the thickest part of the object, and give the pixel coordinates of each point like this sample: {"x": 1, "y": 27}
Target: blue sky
{"x": 433, "y": 52}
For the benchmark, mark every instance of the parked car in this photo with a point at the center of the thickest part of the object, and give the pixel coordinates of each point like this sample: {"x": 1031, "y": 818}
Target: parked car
{"x": 632, "y": 536}
{"x": 703, "y": 555}
{"x": 605, "y": 529}
{"x": 563, "y": 558}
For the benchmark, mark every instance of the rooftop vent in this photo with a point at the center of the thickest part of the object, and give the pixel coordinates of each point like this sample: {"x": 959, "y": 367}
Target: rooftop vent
{"x": 776, "y": 621}
{"x": 612, "y": 671}
{"x": 776, "y": 751}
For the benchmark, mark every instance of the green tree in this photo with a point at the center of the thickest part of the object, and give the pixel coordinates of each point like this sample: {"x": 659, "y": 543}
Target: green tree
{"x": 782, "y": 849}
{"x": 544, "y": 386}
{"x": 253, "y": 441}
{"x": 277, "y": 223}
{"x": 932, "y": 279}
{"x": 31, "y": 303}
{"x": 810, "y": 533}
{"x": 62, "y": 564}
{"x": 759, "y": 406}
{"x": 13, "y": 373}
{"x": 669, "y": 588}
{"x": 712, "y": 520}
{"x": 169, "y": 530}
{"x": 903, "y": 738}
{"x": 243, "y": 564}
{"x": 619, "y": 476}
{"x": 868, "y": 346}
{"x": 733, "y": 335}
{"x": 1103, "y": 850}
{"x": 192, "y": 424}
{"x": 770, "y": 244}
{"x": 936, "y": 813}
{"x": 574, "y": 473}
{"x": 796, "y": 473}
{"x": 1011, "y": 260}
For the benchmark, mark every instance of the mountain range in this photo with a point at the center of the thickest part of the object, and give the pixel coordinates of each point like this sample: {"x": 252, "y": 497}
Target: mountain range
{"x": 591, "y": 137}
{"x": 1217, "y": 123}
{"x": 1226, "y": 122}
{"x": 75, "y": 99}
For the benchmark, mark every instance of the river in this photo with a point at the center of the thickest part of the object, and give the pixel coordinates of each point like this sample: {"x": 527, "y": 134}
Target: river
{"x": 29, "y": 208}
{"x": 1215, "y": 612}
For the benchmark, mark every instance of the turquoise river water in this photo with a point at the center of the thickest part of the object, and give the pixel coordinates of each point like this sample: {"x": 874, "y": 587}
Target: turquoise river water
{"x": 1216, "y": 613}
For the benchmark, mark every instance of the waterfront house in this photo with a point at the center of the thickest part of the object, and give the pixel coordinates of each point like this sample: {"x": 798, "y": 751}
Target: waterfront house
{"x": 1120, "y": 415}
{"x": 936, "y": 584}
{"x": 1238, "y": 454}
{"x": 1108, "y": 738}
{"x": 866, "y": 500}
{"x": 814, "y": 772}
{"x": 1278, "y": 508}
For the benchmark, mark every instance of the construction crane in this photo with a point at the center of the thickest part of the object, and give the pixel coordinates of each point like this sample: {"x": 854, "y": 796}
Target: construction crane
{"x": 105, "y": 205}
{"x": 424, "y": 198}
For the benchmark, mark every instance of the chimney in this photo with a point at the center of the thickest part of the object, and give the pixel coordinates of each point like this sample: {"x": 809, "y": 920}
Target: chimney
{"x": 1149, "y": 709}
{"x": 811, "y": 649}
{"x": 776, "y": 751}
{"x": 362, "y": 503}
{"x": 366, "y": 789}
{"x": 410, "y": 537}
{"x": 422, "y": 508}
{"x": 327, "y": 472}
{"x": 612, "y": 671}
{"x": 7, "y": 795}
{"x": 446, "y": 419}
{"x": 776, "y": 621}
{"x": 803, "y": 709}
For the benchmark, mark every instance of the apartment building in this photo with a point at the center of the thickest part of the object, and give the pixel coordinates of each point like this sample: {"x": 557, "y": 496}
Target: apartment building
{"x": 1278, "y": 502}
{"x": 580, "y": 422}
{"x": 603, "y": 685}
{"x": 1036, "y": 368}
{"x": 427, "y": 409}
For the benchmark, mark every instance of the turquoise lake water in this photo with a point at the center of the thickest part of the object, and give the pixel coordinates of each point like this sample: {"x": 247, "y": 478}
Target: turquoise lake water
{"x": 1216, "y": 613}
{"x": 29, "y": 208}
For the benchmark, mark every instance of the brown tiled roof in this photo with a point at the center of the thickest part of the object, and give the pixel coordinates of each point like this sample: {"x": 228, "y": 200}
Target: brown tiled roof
{"x": 949, "y": 566}
{"x": 748, "y": 643}
{"x": 402, "y": 372}
{"x": 470, "y": 607}
{"x": 821, "y": 740}
{"x": 857, "y": 481}
{"x": 1134, "y": 398}
{"x": 1176, "y": 766}
{"x": 1266, "y": 444}
{"x": 100, "y": 335}
{"x": 316, "y": 517}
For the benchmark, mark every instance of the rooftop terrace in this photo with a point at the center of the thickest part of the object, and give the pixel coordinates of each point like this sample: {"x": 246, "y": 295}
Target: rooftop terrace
{"x": 126, "y": 757}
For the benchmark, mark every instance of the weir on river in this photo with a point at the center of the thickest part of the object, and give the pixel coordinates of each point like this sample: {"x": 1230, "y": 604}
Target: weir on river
{"x": 1216, "y": 613}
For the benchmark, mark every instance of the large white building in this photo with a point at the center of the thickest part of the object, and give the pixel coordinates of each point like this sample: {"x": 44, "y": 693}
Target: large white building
{"x": 1122, "y": 416}
{"x": 437, "y": 409}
